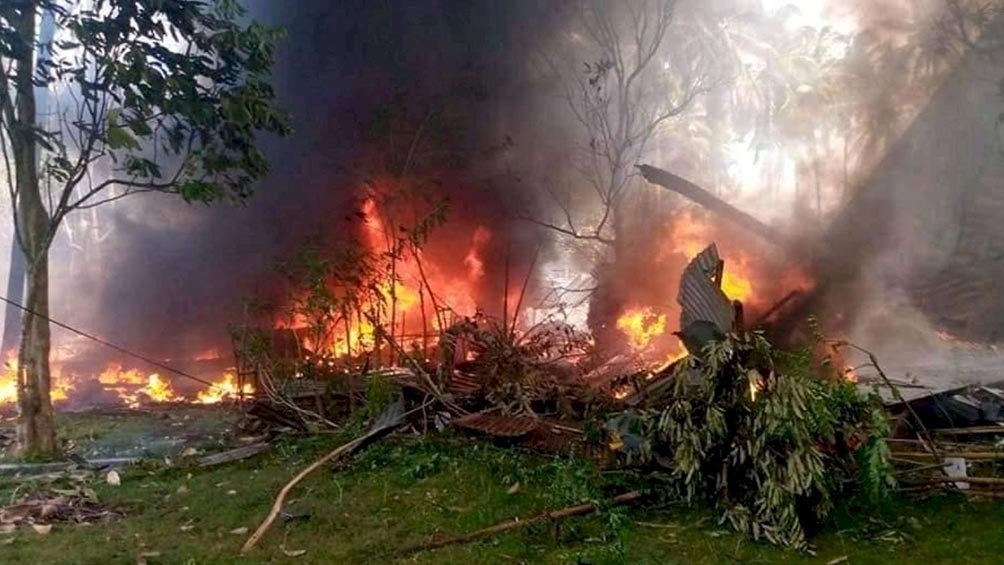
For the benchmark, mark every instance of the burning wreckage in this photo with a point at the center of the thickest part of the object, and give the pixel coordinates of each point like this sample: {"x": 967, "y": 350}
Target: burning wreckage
{"x": 770, "y": 438}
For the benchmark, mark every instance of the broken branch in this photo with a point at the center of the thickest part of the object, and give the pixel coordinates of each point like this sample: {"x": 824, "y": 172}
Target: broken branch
{"x": 518, "y": 523}
{"x": 383, "y": 426}
{"x": 923, "y": 432}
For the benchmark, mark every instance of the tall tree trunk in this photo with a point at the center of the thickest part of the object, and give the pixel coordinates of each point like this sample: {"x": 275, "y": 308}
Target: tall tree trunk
{"x": 18, "y": 264}
{"x": 36, "y": 434}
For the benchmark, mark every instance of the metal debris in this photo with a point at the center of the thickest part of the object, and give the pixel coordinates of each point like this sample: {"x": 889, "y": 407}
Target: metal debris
{"x": 236, "y": 454}
{"x": 462, "y": 384}
{"x": 498, "y": 425}
{"x": 701, "y": 298}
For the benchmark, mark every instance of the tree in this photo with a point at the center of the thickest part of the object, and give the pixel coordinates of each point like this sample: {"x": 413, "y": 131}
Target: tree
{"x": 151, "y": 96}
{"x": 642, "y": 73}
{"x": 627, "y": 73}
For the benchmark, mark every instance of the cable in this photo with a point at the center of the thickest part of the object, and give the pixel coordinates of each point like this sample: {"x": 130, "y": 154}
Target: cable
{"x": 96, "y": 339}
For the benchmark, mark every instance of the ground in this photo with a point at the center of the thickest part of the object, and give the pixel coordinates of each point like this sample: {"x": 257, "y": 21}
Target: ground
{"x": 408, "y": 489}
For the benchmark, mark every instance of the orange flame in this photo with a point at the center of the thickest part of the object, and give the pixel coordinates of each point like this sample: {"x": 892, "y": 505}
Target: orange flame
{"x": 60, "y": 391}
{"x": 407, "y": 292}
{"x": 224, "y": 389}
{"x": 850, "y": 375}
{"x": 159, "y": 390}
{"x": 8, "y": 380}
{"x": 134, "y": 388}
{"x": 641, "y": 326}
{"x": 689, "y": 235}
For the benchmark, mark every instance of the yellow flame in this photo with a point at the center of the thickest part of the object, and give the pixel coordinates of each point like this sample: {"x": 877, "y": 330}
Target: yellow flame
{"x": 641, "y": 326}
{"x": 224, "y": 389}
{"x": 159, "y": 390}
{"x": 8, "y": 380}
{"x": 60, "y": 390}
{"x": 690, "y": 234}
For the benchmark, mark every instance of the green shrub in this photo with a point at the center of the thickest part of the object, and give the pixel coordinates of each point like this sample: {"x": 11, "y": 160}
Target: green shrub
{"x": 769, "y": 450}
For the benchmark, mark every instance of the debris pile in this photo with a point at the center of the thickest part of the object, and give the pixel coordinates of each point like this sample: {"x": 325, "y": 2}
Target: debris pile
{"x": 43, "y": 509}
{"x": 949, "y": 439}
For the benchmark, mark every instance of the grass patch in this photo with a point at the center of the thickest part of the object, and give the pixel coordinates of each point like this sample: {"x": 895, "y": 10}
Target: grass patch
{"x": 405, "y": 490}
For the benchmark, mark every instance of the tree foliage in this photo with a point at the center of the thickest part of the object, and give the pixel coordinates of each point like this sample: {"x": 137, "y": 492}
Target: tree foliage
{"x": 152, "y": 95}
{"x": 765, "y": 442}
{"x": 147, "y": 96}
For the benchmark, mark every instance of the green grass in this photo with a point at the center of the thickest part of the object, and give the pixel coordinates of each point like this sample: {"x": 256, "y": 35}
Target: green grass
{"x": 406, "y": 490}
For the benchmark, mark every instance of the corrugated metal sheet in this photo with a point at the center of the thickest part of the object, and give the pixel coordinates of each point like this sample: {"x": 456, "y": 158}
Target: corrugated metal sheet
{"x": 463, "y": 384}
{"x": 498, "y": 425}
{"x": 701, "y": 297}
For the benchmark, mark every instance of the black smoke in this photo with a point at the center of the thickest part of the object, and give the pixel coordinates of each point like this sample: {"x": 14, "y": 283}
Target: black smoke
{"x": 168, "y": 277}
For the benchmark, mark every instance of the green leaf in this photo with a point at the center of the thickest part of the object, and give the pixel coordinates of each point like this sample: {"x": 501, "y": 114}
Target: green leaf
{"x": 140, "y": 127}
{"x": 119, "y": 138}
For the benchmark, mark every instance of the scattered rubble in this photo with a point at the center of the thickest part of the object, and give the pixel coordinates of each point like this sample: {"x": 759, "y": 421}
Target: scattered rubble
{"x": 55, "y": 506}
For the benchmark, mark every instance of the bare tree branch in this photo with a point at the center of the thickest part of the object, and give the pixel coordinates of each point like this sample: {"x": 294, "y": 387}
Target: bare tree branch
{"x": 580, "y": 236}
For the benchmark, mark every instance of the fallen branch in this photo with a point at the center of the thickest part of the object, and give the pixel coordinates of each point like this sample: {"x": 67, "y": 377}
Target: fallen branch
{"x": 922, "y": 432}
{"x": 518, "y": 523}
{"x": 974, "y": 430}
{"x": 390, "y": 419}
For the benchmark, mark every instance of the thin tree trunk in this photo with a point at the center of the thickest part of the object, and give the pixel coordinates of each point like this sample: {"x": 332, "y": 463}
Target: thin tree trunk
{"x": 36, "y": 434}
{"x": 18, "y": 265}
{"x": 425, "y": 324}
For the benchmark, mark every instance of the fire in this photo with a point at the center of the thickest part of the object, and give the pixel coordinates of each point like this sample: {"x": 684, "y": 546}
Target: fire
{"x": 225, "y": 389}
{"x": 8, "y": 381}
{"x": 60, "y": 390}
{"x": 159, "y": 390}
{"x": 408, "y": 294}
{"x": 850, "y": 375}
{"x": 689, "y": 235}
{"x": 135, "y": 388}
{"x": 115, "y": 376}
{"x": 641, "y": 326}
{"x": 132, "y": 387}
{"x": 676, "y": 353}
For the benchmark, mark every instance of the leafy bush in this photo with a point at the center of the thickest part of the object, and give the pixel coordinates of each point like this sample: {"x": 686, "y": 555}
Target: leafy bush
{"x": 770, "y": 451}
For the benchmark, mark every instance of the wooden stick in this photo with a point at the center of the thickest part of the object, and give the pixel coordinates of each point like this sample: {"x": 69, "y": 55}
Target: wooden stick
{"x": 522, "y": 295}
{"x": 975, "y": 430}
{"x": 346, "y": 449}
{"x": 517, "y": 523}
{"x": 924, "y": 434}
